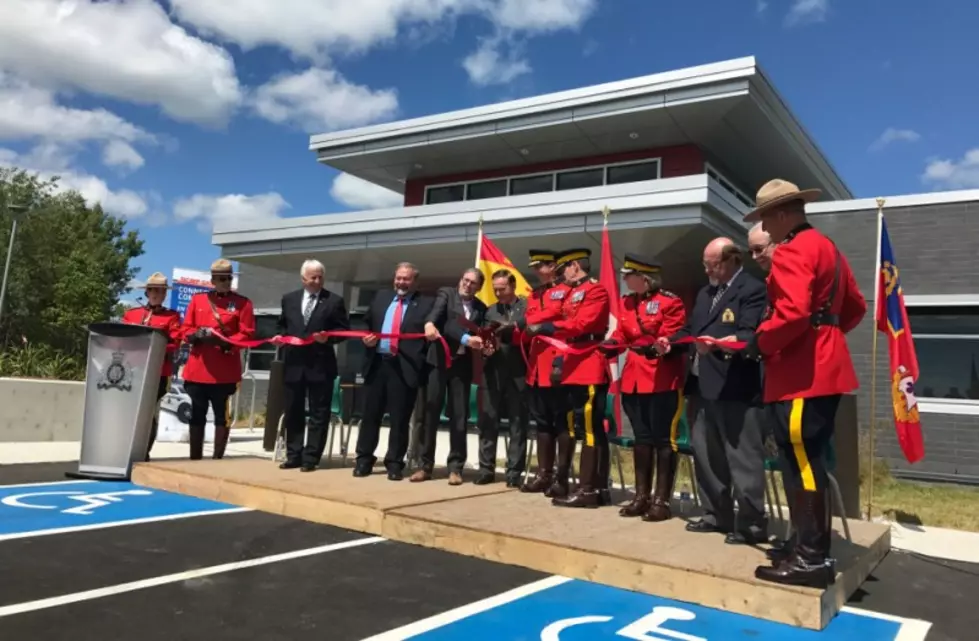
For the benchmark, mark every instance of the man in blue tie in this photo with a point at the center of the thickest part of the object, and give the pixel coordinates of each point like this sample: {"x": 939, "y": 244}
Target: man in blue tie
{"x": 394, "y": 368}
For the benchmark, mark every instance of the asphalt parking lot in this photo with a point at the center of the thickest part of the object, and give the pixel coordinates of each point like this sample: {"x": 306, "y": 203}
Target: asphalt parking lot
{"x": 107, "y": 561}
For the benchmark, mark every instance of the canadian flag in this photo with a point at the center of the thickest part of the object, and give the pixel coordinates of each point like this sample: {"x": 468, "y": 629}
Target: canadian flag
{"x": 609, "y": 279}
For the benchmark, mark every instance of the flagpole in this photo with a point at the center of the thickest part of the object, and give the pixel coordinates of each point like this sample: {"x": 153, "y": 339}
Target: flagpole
{"x": 873, "y": 361}
{"x": 479, "y": 242}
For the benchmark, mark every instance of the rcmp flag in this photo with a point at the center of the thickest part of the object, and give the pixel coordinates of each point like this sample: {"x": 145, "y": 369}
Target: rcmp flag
{"x": 892, "y": 320}
{"x": 609, "y": 279}
{"x": 490, "y": 259}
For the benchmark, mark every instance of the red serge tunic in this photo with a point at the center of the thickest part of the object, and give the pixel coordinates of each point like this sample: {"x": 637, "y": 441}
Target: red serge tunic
{"x": 544, "y": 305}
{"x": 584, "y": 324}
{"x": 656, "y": 315}
{"x": 802, "y": 361}
{"x": 166, "y": 319}
{"x": 209, "y": 363}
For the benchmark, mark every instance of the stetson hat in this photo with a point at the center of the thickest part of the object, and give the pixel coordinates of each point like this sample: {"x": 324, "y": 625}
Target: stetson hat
{"x": 221, "y": 266}
{"x": 778, "y": 192}
{"x": 157, "y": 280}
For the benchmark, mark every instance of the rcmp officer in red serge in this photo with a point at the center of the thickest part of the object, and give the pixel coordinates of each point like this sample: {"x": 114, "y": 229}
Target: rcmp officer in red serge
{"x": 547, "y": 407}
{"x": 651, "y": 385}
{"x": 213, "y": 369}
{"x": 584, "y": 378}
{"x": 814, "y": 302}
{"x": 154, "y": 314}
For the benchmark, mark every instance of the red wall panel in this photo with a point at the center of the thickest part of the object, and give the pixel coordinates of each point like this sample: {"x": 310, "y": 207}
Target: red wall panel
{"x": 681, "y": 160}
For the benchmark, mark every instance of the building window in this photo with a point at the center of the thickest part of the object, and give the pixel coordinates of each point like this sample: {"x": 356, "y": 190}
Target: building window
{"x": 488, "y": 189}
{"x": 531, "y": 185}
{"x": 632, "y": 173}
{"x": 259, "y": 359}
{"x": 580, "y": 179}
{"x": 447, "y": 194}
{"x": 946, "y": 340}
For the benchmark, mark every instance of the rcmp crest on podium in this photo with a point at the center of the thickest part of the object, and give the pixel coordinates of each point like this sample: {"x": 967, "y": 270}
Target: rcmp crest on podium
{"x": 117, "y": 374}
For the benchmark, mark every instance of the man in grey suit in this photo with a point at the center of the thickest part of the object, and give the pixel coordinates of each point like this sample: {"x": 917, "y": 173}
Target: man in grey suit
{"x": 505, "y": 386}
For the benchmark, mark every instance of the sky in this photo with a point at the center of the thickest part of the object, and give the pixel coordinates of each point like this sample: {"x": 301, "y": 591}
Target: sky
{"x": 181, "y": 114}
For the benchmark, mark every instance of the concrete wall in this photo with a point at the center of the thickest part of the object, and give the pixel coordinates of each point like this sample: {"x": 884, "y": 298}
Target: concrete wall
{"x": 34, "y": 410}
{"x": 935, "y": 249}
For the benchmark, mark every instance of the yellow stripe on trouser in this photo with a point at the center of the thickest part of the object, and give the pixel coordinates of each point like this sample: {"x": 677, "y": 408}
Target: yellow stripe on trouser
{"x": 798, "y": 448}
{"x": 570, "y": 420}
{"x": 675, "y": 423}
{"x": 589, "y": 426}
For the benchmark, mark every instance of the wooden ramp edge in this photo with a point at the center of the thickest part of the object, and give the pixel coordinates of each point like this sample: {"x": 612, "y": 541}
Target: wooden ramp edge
{"x": 441, "y": 523}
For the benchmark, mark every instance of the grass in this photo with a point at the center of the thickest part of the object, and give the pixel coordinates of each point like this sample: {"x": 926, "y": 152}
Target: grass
{"x": 909, "y": 502}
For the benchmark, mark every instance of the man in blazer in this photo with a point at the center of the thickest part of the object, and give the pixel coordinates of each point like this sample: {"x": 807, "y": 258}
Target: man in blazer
{"x": 728, "y": 448}
{"x": 505, "y": 377}
{"x": 394, "y": 368}
{"x": 309, "y": 371}
{"x": 453, "y": 306}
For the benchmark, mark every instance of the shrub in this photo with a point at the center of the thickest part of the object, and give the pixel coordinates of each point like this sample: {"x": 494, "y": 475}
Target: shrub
{"x": 35, "y": 360}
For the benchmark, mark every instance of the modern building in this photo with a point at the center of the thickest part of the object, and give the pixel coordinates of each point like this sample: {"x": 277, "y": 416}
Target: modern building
{"x": 677, "y": 158}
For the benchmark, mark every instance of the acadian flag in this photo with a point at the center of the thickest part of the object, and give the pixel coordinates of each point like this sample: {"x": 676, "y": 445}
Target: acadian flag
{"x": 609, "y": 279}
{"x": 892, "y": 320}
{"x": 489, "y": 259}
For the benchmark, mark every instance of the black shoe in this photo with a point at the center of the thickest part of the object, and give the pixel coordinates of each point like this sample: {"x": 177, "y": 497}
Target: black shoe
{"x": 705, "y": 526}
{"x": 395, "y": 475}
{"x": 308, "y": 467}
{"x": 513, "y": 481}
{"x": 485, "y": 478}
{"x": 362, "y": 471}
{"x": 745, "y": 537}
{"x": 288, "y": 465}
{"x": 795, "y": 571}
{"x": 604, "y": 497}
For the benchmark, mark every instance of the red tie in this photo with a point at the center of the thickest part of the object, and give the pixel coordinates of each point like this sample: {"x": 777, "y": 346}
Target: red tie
{"x": 396, "y": 325}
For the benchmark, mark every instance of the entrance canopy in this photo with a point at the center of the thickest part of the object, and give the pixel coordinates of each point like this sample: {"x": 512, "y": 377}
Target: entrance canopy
{"x": 672, "y": 218}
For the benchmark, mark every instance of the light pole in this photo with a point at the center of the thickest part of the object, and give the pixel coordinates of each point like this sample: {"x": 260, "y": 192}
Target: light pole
{"x": 15, "y": 210}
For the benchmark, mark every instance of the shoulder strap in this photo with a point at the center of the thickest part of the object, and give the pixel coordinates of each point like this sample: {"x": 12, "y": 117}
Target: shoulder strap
{"x": 823, "y": 315}
{"x": 217, "y": 316}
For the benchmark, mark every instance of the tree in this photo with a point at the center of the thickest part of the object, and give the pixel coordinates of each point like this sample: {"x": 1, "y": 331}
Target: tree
{"x": 71, "y": 263}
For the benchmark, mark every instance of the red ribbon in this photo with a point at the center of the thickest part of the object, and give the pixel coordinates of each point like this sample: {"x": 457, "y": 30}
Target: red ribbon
{"x": 295, "y": 341}
{"x": 644, "y": 341}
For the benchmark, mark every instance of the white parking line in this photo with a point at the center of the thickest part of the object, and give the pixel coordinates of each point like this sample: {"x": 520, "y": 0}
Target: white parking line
{"x": 468, "y": 610}
{"x": 911, "y": 629}
{"x": 111, "y": 524}
{"x": 43, "y": 483}
{"x": 88, "y": 595}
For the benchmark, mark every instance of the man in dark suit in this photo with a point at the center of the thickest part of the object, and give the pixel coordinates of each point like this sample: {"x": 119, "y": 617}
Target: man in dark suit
{"x": 455, "y": 311}
{"x": 309, "y": 371}
{"x": 505, "y": 377}
{"x": 728, "y": 447}
{"x": 393, "y": 370}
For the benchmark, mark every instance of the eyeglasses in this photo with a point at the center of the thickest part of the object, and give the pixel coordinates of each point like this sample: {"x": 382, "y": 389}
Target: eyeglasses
{"x": 758, "y": 249}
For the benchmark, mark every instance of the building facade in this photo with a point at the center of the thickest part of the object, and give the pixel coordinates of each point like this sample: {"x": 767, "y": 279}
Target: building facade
{"x": 676, "y": 158}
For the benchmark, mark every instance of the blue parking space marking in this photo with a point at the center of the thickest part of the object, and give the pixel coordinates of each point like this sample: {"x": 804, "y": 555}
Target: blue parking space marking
{"x": 49, "y": 508}
{"x": 571, "y": 610}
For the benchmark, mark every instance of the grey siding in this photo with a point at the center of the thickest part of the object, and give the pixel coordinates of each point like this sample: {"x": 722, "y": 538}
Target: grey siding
{"x": 935, "y": 250}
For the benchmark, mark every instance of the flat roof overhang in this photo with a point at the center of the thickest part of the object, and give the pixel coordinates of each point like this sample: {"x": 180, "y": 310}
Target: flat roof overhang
{"x": 728, "y": 109}
{"x": 672, "y": 218}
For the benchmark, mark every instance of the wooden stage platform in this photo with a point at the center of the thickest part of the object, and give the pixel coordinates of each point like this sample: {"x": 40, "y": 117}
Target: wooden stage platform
{"x": 504, "y": 525}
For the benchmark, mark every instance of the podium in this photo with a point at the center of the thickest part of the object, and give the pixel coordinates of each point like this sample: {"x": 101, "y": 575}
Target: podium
{"x": 121, "y": 383}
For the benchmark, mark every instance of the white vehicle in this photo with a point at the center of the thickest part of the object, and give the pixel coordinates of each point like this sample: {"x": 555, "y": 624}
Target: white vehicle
{"x": 177, "y": 402}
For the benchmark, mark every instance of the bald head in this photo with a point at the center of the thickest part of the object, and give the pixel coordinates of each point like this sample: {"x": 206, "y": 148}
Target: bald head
{"x": 722, "y": 259}
{"x": 761, "y": 246}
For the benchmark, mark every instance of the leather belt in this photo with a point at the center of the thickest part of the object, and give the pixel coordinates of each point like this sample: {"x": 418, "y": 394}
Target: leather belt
{"x": 586, "y": 338}
{"x": 821, "y": 318}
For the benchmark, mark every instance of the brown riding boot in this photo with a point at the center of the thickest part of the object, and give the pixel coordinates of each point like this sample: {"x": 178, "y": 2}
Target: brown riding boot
{"x": 808, "y": 564}
{"x": 196, "y": 442}
{"x": 545, "y": 466}
{"x": 586, "y": 496}
{"x": 603, "y": 476}
{"x": 643, "y": 457}
{"x": 666, "y": 460}
{"x": 565, "y": 454}
{"x": 221, "y": 435}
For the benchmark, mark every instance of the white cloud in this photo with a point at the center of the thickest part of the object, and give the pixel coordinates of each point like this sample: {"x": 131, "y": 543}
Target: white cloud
{"x": 950, "y": 174}
{"x": 322, "y": 100}
{"x": 760, "y": 6}
{"x": 360, "y": 194}
{"x": 124, "y": 50}
{"x": 807, "y": 11}
{"x": 318, "y": 29}
{"x": 489, "y": 64}
{"x": 118, "y": 153}
{"x": 892, "y": 134}
{"x": 50, "y": 160}
{"x": 230, "y": 211}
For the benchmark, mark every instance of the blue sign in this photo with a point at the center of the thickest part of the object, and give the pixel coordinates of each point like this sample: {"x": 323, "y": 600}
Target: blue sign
{"x": 181, "y": 295}
{"x": 46, "y": 508}
{"x": 571, "y": 610}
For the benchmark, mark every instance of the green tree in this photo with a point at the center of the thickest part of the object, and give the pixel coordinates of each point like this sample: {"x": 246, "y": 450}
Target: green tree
{"x": 71, "y": 263}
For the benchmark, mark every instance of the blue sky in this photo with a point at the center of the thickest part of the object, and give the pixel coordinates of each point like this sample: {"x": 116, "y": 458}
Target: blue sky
{"x": 186, "y": 112}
